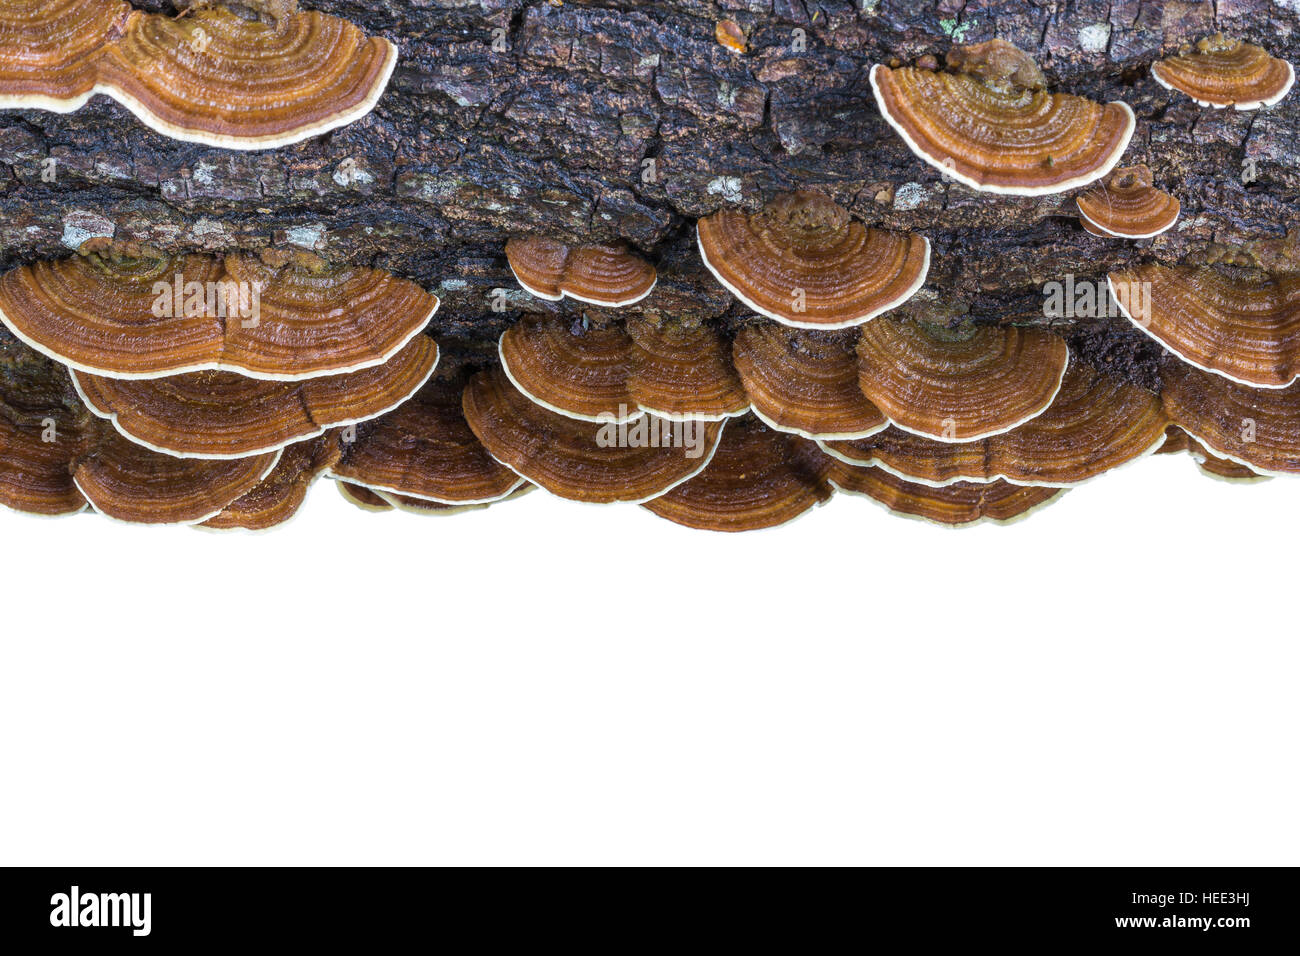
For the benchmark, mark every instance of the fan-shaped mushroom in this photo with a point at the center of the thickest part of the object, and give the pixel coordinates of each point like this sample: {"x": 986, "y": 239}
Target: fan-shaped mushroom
{"x": 424, "y": 450}
{"x": 682, "y": 372}
{"x": 959, "y": 505}
{"x": 804, "y": 262}
{"x": 992, "y": 127}
{"x": 1095, "y": 424}
{"x": 277, "y": 498}
{"x": 805, "y": 383}
{"x": 34, "y": 475}
{"x": 1245, "y": 329}
{"x": 599, "y": 274}
{"x": 1225, "y": 72}
{"x": 1259, "y": 428}
{"x": 1178, "y": 441}
{"x": 759, "y": 478}
{"x": 49, "y": 50}
{"x": 585, "y": 461}
{"x": 363, "y": 497}
{"x": 217, "y": 78}
{"x": 959, "y": 384}
{"x": 224, "y": 415}
{"x": 147, "y": 316}
{"x": 1128, "y": 205}
{"x": 575, "y": 371}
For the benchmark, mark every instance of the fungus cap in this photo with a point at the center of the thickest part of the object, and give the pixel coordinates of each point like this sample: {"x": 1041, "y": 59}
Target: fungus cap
{"x": 585, "y": 461}
{"x": 758, "y": 478}
{"x": 575, "y": 371}
{"x": 34, "y": 475}
{"x": 959, "y": 505}
{"x": 224, "y": 415}
{"x": 1224, "y": 72}
{"x": 683, "y": 372}
{"x": 607, "y": 275}
{"x": 959, "y": 384}
{"x": 805, "y": 263}
{"x": 216, "y": 78}
{"x": 49, "y": 50}
{"x": 149, "y": 317}
{"x": 362, "y": 497}
{"x": 277, "y": 498}
{"x": 805, "y": 383}
{"x": 1244, "y": 329}
{"x": 425, "y": 450}
{"x": 1128, "y": 206}
{"x": 1178, "y": 441}
{"x": 986, "y": 129}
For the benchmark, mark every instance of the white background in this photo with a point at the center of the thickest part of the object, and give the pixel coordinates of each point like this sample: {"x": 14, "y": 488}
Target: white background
{"x": 1113, "y": 681}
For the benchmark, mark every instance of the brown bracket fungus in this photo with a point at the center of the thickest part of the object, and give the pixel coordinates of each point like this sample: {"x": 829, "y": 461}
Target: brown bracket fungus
{"x": 988, "y": 122}
{"x": 960, "y": 384}
{"x": 758, "y": 478}
{"x": 1128, "y": 205}
{"x": 224, "y": 415}
{"x": 1258, "y": 428}
{"x": 425, "y": 451}
{"x": 434, "y": 509}
{"x": 575, "y": 371}
{"x": 585, "y": 461}
{"x": 959, "y": 505}
{"x": 1223, "y": 72}
{"x": 1178, "y": 441}
{"x": 805, "y": 262}
{"x": 1095, "y": 424}
{"x": 599, "y": 275}
{"x": 34, "y": 474}
{"x": 277, "y": 498}
{"x": 49, "y": 50}
{"x": 363, "y": 498}
{"x": 683, "y": 372}
{"x": 1244, "y": 329}
{"x": 217, "y": 78}
{"x": 148, "y": 316}
{"x": 805, "y": 383}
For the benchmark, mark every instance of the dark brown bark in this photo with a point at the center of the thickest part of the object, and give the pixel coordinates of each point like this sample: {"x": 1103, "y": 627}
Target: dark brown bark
{"x": 551, "y": 133}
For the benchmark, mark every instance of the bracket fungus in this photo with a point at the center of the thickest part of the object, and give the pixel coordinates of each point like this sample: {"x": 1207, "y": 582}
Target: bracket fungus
{"x": 585, "y": 461}
{"x": 989, "y": 123}
{"x": 277, "y": 498}
{"x": 758, "y": 478}
{"x": 1258, "y": 428}
{"x": 34, "y": 473}
{"x": 1223, "y": 72}
{"x": 959, "y": 505}
{"x": 225, "y": 415}
{"x": 805, "y": 262}
{"x": 1246, "y": 329}
{"x": 683, "y": 372}
{"x": 607, "y": 275}
{"x": 1095, "y": 424}
{"x": 424, "y": 450}
{"x": 49, "y": 50}
{"x": 805, "y": 383}
{"x": 1178, "y": 441}
{"x": 961, "y": 384}
{"x": 1128, "y": 205}
{"x": 362, "y": 497}
{"x": 575, "y": 371}
{"x": 148, "y": 315}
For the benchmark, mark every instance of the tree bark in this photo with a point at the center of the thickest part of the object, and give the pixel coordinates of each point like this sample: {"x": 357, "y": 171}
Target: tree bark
{"x": 593, "y": 121}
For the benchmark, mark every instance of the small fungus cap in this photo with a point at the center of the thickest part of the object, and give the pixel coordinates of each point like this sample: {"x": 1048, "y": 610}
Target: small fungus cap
{"x": 276, "y": 499}
{"x": 959, "y": 505}
{"x": 959, "y": 384}
{"x": 570, "y": 369}
{"x": 607, "y": 275}
{"x": 805, "y": 262}
{"x": 683, "y": 372}
{"x": 1127, "y": 205}
{"x": 1224, "y": 72}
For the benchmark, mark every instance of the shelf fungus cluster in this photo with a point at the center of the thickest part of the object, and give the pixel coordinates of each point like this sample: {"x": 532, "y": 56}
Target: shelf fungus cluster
{"x": 182, "y": 368}
{"x": 258, "y": 74}
{"x": 1220, "y": 72}
{"x": 988, "y": 122}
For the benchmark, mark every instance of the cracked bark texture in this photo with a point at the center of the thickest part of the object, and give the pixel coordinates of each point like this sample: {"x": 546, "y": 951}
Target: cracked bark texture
{"x": 511, "y": 117}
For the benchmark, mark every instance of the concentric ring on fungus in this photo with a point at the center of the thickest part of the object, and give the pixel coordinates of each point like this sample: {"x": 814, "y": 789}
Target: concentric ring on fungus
{"x": 683, "y": 372}
{"x": 607, "y": 275}
{"x": 1258, "y": 428}
{"x": 759, "y": 478}
{"x": 959, "y": 505}
{"x": 804, "y": 262}
{"x": 576, "y": 371}
{"x": 1223, "y": 72}
{"x": 49, "y": 50}
{"x": 224, "y": 415}
{"x": 1128, "y": 206}
{"x": 957, "y": 385}
{"x": 216, "y": 78}
{"x": 424, "y": 450}
{"x": 277, "y": 498}
{"x": 1095, "y": 424}
{"x": 153, "y": 316}
{"x": 1243, "y": 329}
{"x": 585, "y": 461}
{"x": 805, "y": 382}
{"x": 993, "y": 128}
{"x": 1178, "y": 441}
